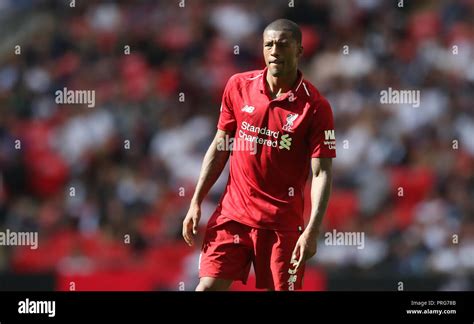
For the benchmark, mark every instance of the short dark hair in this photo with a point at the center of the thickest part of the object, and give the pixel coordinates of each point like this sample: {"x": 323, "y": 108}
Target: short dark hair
{"x": 286, "y": 25}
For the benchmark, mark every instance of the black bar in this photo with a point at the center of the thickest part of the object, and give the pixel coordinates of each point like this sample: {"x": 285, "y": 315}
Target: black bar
{"x": 135, "y": 307}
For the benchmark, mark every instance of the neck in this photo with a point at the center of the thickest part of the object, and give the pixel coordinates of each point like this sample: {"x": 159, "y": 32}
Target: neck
{"x": 279, "y": 85}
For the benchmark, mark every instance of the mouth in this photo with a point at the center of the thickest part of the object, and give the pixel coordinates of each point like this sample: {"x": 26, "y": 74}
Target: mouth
{"x": 276, "y": 62}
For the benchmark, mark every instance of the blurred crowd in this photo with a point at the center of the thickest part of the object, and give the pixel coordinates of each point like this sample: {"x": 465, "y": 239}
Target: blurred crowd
{"x": 107, "y": 187}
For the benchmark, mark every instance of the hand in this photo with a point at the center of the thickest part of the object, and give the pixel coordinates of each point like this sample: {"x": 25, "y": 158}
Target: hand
{"x": 190, "y": 223}
{"x": 306, "y": 247}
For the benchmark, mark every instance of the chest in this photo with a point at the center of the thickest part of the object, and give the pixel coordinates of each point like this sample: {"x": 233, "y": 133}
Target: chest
{"x": 283, "y": 115}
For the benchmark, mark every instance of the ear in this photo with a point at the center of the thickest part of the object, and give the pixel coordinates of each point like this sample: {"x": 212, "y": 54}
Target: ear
{"x": 300, "y": 51}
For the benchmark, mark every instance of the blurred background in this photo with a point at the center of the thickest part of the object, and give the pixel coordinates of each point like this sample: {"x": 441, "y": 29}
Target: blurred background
{"x": 107, "y": 187}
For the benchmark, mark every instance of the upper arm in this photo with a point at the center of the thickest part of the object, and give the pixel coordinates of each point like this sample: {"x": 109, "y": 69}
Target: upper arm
{"x": 222, "y": 134}
{"x": 321, "y": 165}
{"x": 322, "y": 138}
{"x": 227, "y": 121}
{"x": 220, "y": 139}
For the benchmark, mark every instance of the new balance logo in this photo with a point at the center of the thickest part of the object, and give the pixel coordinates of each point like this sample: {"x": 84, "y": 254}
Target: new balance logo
{"x": 329, "y": 135}
{"x": 285, "y": 142}
{"x": 248, "y": 109}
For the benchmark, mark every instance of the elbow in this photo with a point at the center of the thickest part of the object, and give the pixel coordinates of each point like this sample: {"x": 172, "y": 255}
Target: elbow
{"x": 320, "y": 174}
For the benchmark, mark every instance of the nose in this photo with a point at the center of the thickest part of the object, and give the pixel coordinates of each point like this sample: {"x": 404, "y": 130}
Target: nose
{"x": 274, "y": 51}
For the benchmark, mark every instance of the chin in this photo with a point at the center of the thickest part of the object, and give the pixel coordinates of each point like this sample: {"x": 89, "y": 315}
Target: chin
{"x": 275, "y": 73}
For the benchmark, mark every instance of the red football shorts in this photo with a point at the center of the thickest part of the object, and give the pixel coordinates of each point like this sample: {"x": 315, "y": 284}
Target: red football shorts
{"x": 229, "y": 248}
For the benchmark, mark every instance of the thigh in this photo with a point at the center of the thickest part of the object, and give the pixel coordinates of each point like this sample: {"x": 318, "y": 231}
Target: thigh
{"x": 284, "y": 274}
{"x": 227, "y": 250}
{"x": 213, "y": 284}
{"x": 273, "y": 267}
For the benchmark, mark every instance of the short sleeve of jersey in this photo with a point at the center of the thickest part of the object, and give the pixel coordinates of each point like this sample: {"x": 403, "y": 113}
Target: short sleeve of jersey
{"x": 227, "y": 118}
{"x": 322, "y": 136}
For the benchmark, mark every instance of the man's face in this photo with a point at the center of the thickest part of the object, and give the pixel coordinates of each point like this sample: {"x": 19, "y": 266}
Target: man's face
{"x": 281, "y": 52}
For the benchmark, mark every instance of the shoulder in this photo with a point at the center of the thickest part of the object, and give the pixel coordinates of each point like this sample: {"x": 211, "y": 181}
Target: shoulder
{"x": 244, "y": 78}
{"x": 316, "y": 99}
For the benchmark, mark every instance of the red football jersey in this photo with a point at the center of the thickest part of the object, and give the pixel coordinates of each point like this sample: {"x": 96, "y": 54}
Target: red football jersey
{"x": 274, "y": 141}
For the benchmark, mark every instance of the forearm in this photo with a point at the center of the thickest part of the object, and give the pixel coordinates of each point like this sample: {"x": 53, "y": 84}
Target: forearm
{"x": 212, "y": 166}
{"x": 320, "y": 192}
